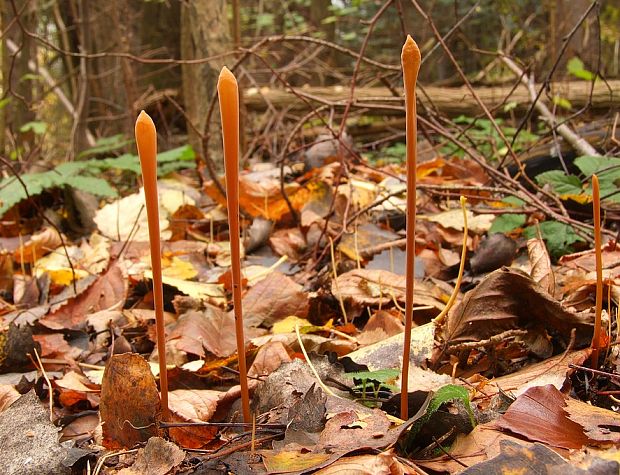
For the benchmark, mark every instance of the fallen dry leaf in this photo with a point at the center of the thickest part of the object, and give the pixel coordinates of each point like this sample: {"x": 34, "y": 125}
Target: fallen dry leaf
{"x": 193, "y": 405}
{"x": 379, "y": 287}
{"x": 8, "y": 395}
{"x": 158, "y": 457}
{"x": 542, "y": 272}
{"x": 108, "y": 292}
{"x": 130, "y": 407}
{"x": 211, "y": 330}
{"x": 385, "y": 463}
{"x": 273, "y": 298}
{"x": 508, "y": 299}
{"x": 539, "y": 415}
{"x": 37, "y": 246}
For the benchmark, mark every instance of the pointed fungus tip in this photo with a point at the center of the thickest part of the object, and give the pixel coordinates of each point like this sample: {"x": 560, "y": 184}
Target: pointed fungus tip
{"x": 144, "y": 119}
{"x": 226, "y": 75}
{"x": 411, "y": 53}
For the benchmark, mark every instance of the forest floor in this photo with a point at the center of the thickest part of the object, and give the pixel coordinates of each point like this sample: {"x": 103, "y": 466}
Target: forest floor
{"x": 505, "y": 383}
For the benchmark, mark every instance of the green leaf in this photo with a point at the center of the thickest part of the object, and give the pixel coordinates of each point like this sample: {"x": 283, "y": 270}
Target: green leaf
{"x": 91, "y": 184}
{"x": 38, "y": 128}
{"x": 514, "y": 201}
{"x": 558, "y": 237}
{"x": 448, "y": 393}
{"x": 576, "y": 68}
{"x": 4, "y": 102}
{"x": 105, "y": 145}
{"x": 562, "y": 102}
{"x": 607, "y": 168}
{"x": 510, "y": 106}
{"x": 562, "y": 183}
{"x": 381, "y": 375}
{"x": 264, "y": 19}
{"x": 506, "y": 223}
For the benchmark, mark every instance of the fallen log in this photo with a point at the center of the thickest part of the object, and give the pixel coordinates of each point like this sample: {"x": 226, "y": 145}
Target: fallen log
{"x": 450, "y": 101}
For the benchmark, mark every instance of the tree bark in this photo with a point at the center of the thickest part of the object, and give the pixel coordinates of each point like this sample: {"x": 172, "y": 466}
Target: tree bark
{"x": 204, "y": 32}
{"x": 15, "y": 86}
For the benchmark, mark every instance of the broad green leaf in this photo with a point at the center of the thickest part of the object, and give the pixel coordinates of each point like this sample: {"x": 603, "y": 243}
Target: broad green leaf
{"x": 576, "y": 67}
{"x": 558, "y": 237}
{"x": 562, "y": 183}
{"x": 91, "y": 184}
{"x": 381, "y": 375}
{"x": 607, "y": 168}
{"x": 506, "y": 223}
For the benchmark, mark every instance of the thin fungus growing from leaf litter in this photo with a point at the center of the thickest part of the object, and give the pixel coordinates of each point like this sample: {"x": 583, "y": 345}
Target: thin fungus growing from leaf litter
{"x": 146, "y": 140}
{"x": 228, "y": 92}
{"x": 410, "y": 59}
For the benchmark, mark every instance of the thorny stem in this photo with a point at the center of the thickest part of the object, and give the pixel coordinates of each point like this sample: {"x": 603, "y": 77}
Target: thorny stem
{"x": 410, "y": 59}
{"x": 229, "y": 109}
{"x": 596, "y": 206}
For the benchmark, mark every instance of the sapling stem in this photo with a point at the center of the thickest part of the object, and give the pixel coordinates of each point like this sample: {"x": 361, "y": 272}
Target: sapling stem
{"x": 596, "y": 208}
{"x": 228, "y": 91}
{"x": 410, "y": 59}
{"x": 146, "y": 140}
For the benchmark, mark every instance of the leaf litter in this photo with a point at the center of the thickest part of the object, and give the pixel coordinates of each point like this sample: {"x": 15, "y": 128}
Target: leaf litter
{"x": 502, "y": 380}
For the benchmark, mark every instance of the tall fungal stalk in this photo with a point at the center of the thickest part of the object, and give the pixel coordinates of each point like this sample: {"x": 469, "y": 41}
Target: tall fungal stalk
{"x": 596, "y": 208}
{"x": 228, "y": 92}
{"x": 146, "y": 140}
{"x": 410, "y": 59}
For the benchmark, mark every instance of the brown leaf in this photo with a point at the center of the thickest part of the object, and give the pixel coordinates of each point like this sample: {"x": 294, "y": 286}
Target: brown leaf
{"x": 269, "y": 358}
{"x": 600, "y": 425}
{"x": 508, "y": 299}
{"x": 273, "y": 298}
{"x": 355, "y": 245}
{"x": 212, "y": 330}
{"x": 553, "y": 371}
{"x": 52, "y": 345}
{"x": 108, "y": 292}
{"x": 37, "y": 246}
{"x": 381, "y": 325}
{"x": 130, "y": 407}
{"x": 383, "y": 463}
{"x": 539, "y": 415}
{"x": 8, "y": 395}
{"x": 352, "y": 429}
{"x": 75, "y": 388}
{"x": 193, "y": 406}
{"x": 541, "y": 273}
{"x": 374, "y": 287}
{"x": 181, "y": 219}
{"x": 288, "y": 242}
{"x": 82, "y": 428}
{"x": 158, "y": 457}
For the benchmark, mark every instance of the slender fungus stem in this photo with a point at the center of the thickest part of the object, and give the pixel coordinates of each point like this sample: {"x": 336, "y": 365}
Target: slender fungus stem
{"x": 596, "y": 207}
{"x": 146, "y": 139}
{"x": 229, "y": 109}
{"x": 410, "y": 59}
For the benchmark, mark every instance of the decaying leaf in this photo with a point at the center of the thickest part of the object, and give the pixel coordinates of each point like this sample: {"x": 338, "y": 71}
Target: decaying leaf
{"x": 539, "y": 415}
{"x": 158, "y": 457}
{"x": 508, "y": 299}
{"x": 376, "y": 287}
{"x": 193, "y": 406}
{"x": 107, "y": 293}
{"x": 541, "y": 273}
{"x": 273, "y": 298}
{"x": 130, "y": 407}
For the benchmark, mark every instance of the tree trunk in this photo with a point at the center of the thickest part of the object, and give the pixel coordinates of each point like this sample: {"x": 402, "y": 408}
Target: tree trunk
{"x": 204, "y": 32}
{"x": 17, "y": 88}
